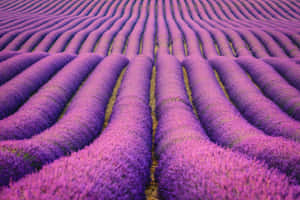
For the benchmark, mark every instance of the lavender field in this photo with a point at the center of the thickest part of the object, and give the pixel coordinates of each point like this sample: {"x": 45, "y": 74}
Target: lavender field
{"x": 149, "y": 99}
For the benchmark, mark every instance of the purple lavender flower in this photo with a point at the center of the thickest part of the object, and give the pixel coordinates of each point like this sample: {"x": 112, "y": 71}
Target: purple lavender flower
{"x": 115, "y": 166}
{"x": 80, "y": 123}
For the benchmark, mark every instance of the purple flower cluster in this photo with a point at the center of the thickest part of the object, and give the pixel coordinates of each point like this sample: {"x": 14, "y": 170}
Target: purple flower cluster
{"x": 16, "y": 91}
{"x": 13, "y": 66}
{"x": 116, "y": 165}
{"x": 227, "y": 127}
{"x": 190, "y": 165}
{"x": 45, "y": 106}
{"x": 252, "y": 103}
{"x": 287, "y": 68}
{"x": 4, "y": 55}
{"x": 273, "y": 85}
{"x": 79, "y": 125}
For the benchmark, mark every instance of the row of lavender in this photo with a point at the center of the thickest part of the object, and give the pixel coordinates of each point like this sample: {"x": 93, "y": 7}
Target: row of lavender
{"x": 209, "y": 9}
{"x": 54, "y": 105}
{"x": 136, "y": 27}
{"x": 50, "y": 116}
{"x": 115, "y": 166}
{"x": 191, "y": 166}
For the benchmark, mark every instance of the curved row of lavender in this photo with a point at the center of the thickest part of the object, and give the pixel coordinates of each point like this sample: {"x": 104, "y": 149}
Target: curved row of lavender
{"x": 190, "y": 166}
{"x": 4, "y": 55}
{"x": 273, "y": 85}
{"x": 226, "y": 126}
{"x": 45, "y": 106}
{"x": 79, "y": 125}
{"x": 17, "y": 90}
{"x": 210, "y": 27}
{"x": 116, "y": 165}
{"x": 213, "y": 10}
{"x": 252, "y": 103}
{"x": 15, "y": 65}
{"x": 287, "y": 68}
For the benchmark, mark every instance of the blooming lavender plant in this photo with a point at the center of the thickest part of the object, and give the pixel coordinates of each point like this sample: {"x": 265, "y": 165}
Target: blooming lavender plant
{"x": 288, "y": 69}
{"x": 13, "y": 66}
{"x": 115, "y": 166}
{"x": 43, "y": 108}
{"x": 79, "y": 125}
{"x": 190, "y": 166}
{"x": 251, "y": 102}
{"x": 227, "y": 127}
{"x": 4, "y": 55}
{"x": 15, "y": 92}
{"x": 273, "y": 85}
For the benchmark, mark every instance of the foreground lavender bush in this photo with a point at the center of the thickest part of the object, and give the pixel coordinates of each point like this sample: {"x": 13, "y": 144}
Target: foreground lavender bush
{"x": 226, "y": 126}
{"x": 191, "y": 166}
{"x": 43, "y": 108}
{"x": 251, "y": 102}
{"x": 79, "y": 125}
{"x": 114, "y": 166}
